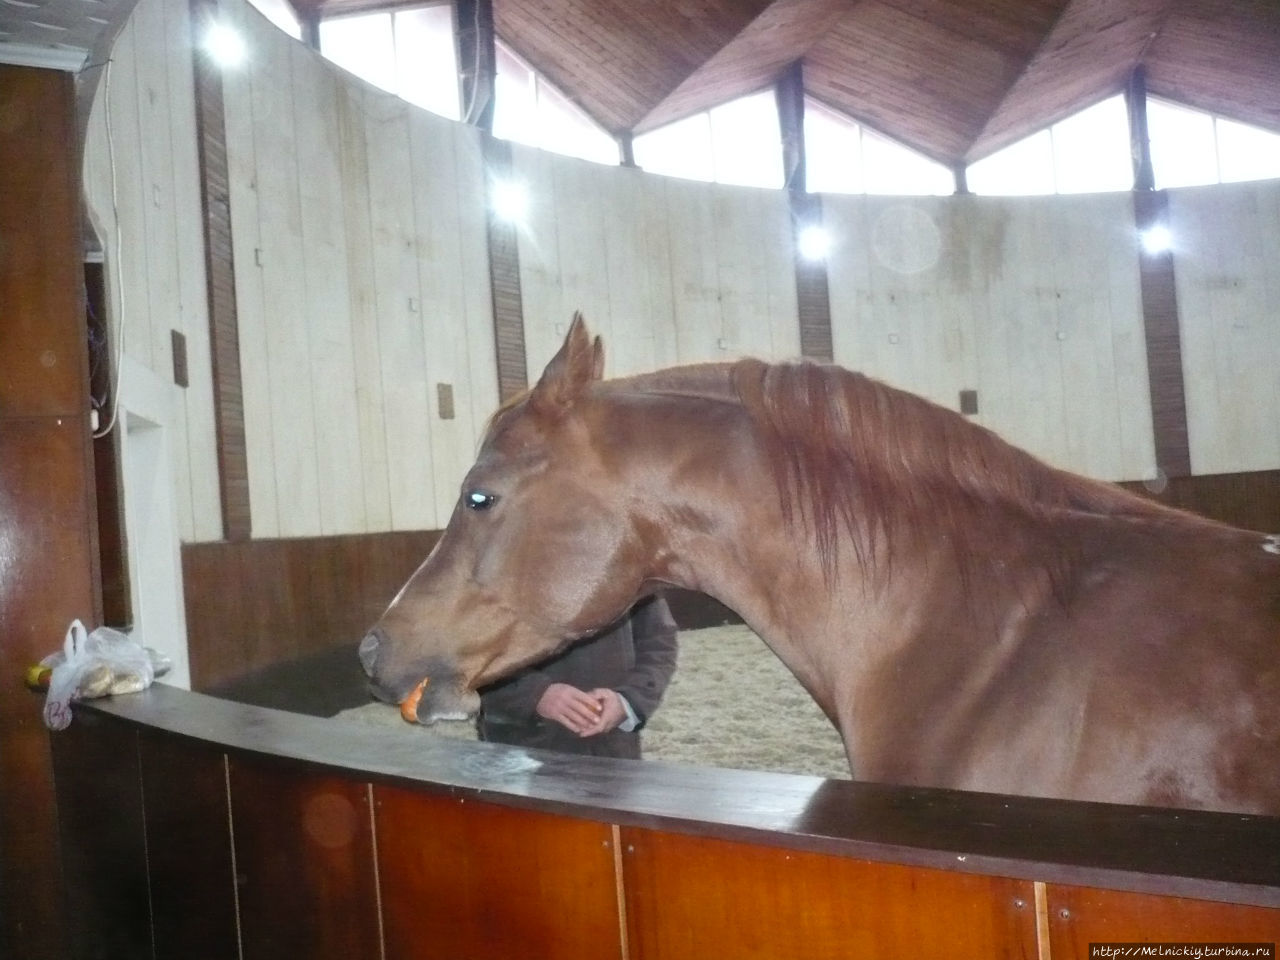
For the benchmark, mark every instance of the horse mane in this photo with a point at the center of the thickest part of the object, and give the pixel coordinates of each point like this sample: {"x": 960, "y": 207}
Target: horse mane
{"x": 850, "y": 453}
{"x": 856, "y": 453}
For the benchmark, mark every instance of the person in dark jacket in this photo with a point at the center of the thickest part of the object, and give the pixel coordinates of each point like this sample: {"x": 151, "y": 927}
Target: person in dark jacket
{"x": 592, "y": 698}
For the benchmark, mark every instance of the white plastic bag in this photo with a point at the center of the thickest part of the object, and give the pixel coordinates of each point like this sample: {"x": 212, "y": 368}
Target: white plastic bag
{"x": 97, "y": 664}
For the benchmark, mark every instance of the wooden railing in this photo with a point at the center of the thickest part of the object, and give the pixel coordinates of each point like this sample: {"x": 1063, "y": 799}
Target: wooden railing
{"x": 194, "y": 827}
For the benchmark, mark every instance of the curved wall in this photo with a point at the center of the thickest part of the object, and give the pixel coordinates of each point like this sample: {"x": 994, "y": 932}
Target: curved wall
{"x": 362, "y": 285}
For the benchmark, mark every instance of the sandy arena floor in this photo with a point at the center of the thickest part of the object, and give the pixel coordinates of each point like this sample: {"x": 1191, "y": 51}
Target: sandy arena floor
{"x": 731, "y": 703}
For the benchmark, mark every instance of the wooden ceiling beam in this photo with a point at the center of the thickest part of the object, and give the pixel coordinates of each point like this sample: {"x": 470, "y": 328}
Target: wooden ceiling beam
{"x": 1088, "y": 55}
{"x": 754, "y": 59}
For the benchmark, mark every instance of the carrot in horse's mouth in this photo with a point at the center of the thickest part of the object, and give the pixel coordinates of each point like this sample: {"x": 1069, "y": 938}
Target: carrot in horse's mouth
{"x": 409, "y": 705}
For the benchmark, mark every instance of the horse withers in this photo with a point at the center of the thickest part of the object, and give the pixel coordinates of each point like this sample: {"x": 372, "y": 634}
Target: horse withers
{"x": 966, "y": 615}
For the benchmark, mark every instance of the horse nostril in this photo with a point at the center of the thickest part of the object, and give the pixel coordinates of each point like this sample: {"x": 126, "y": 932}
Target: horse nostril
{"x": 369, "y": 650}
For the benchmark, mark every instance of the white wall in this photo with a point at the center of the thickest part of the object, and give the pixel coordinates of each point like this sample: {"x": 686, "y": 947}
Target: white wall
{"x": 147, "y": 171}
{"x": 1227, "y": 250}
{"x": 1032, "y": 301}
{"x": 362, "y": 278}
{"x": 362, "y": 284}
{"x": 668, "y": 271}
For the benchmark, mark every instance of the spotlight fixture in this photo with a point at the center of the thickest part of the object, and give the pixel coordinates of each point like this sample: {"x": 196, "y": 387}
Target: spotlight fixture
{"x": 814, "y": 243}
{"x": 224, "y": 45}
{"x": 510, "y": 200}
{"x": 1157, "y": 240}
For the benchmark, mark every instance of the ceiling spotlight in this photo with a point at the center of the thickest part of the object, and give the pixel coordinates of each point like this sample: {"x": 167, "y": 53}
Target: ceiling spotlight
{"x": 510, "y": 200}
{"x": 224, "y": 45}
{"x": 1157, "y": 240}
{"x": 814, "y": 243}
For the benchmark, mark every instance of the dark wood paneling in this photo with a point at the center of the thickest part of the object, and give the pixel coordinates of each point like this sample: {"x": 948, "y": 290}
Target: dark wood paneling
{"x": 1164, "y": 341}
{"x": 485, "y": 882}
{"x": 220, "y": 275}
{"x": 693, "y": 896}
{"x": 256, "y": 603}
{"x": 42, "y": 336}
{"x": 302, "y": 599}
{"x": 1080, "y": 916}
{"x": 188, "y": 832}
{"x": 104, "y": 853}
{"x": 813, "y": 298}
{"x": 304, "y": 863}
{"x": 504, "y": 279}
{"x": 693, "y": 610}
{"x": 1248, "y": 500}
{"x": 1182, "y": 853}
{"x": 47, "y": 540}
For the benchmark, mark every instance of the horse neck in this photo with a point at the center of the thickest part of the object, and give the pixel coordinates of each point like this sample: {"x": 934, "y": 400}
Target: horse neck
{"x": 721, "y": 529}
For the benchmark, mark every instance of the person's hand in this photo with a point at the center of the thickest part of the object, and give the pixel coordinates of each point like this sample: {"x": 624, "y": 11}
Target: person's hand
{"x": 574, "y": 709}
{"x": 611, "y": 713}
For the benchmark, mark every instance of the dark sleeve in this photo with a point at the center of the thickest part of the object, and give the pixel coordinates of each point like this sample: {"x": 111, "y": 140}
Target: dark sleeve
{"x": 653, "y": 632}
{"x": 515, "y": 700}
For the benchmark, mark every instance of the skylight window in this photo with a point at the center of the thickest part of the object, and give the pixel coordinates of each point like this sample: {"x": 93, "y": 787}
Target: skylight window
{"x": 1085, "y": 153}
{"x": 405, "y": 52}
{"x": 529, "y": 110}
{"x": 842, "y": 156}
{"x": 738, "y": 142}
{"x": 1189, "y": 147}
{"x": 680, "y": 149}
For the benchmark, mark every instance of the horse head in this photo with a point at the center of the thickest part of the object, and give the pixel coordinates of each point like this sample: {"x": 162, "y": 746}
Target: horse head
{"x": 540, "y": 550}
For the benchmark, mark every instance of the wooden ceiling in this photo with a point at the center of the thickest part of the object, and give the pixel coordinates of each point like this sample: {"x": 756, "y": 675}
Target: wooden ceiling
{"x": 954, "y": 79}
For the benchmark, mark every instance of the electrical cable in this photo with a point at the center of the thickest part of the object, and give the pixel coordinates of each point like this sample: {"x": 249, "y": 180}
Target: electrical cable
{"x": 117, "y": 255}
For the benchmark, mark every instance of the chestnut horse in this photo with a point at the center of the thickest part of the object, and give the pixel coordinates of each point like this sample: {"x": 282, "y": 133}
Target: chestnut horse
{"x": 966, "y": 615}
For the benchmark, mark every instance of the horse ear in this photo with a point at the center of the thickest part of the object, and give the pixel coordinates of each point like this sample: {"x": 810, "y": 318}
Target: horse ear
{"x": 578, "y": 361}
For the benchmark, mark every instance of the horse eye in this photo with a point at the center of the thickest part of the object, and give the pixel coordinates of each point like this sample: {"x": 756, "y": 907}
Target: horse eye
{"x": 479, "y": 500}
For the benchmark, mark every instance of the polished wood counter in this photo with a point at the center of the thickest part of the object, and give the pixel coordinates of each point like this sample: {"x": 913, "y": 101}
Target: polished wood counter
{"x": 352, "y": 841}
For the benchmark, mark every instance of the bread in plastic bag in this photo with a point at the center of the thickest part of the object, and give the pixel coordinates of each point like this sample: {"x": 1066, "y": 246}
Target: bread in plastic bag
{"x": 98, "y": 664}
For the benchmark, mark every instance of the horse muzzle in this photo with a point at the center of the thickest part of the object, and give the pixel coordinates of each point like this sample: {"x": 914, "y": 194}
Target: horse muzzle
{"x": 426, "y": 690}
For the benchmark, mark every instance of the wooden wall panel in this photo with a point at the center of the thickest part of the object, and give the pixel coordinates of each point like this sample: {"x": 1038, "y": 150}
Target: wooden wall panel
{"x": 463, "y": 878}
{"x": 189, "y": 858}
{"x": 106, "y": 910}
{"x": 1033, "y": 302}
{"x": 666, "y": 271}
{"x": 1226, "y": 247}
{"x": 369, "y": 414}
{"x": 196, "y": 433}
{"x": 402, "y": 344}
{"x": 155, "y": 273}
{"x": 304, "y": 860}
{"x": 219, "y": 257}
{"x": 362, "y": 287}
{"x": 455, "y": 311}
{"x": 1164, "y": 341}
{"x": 47, "y": 540}
{"x": 291, "y": 597}
{"x": 281, "y": 260}
{"x": 503, "y": 236}
{"x": 1249, "y": 500}
{"x": 1079, "y": 916}
{"x": 251, "y": 313}
{"x": 694, "y": 896}
{"x": 330, "y": 373}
